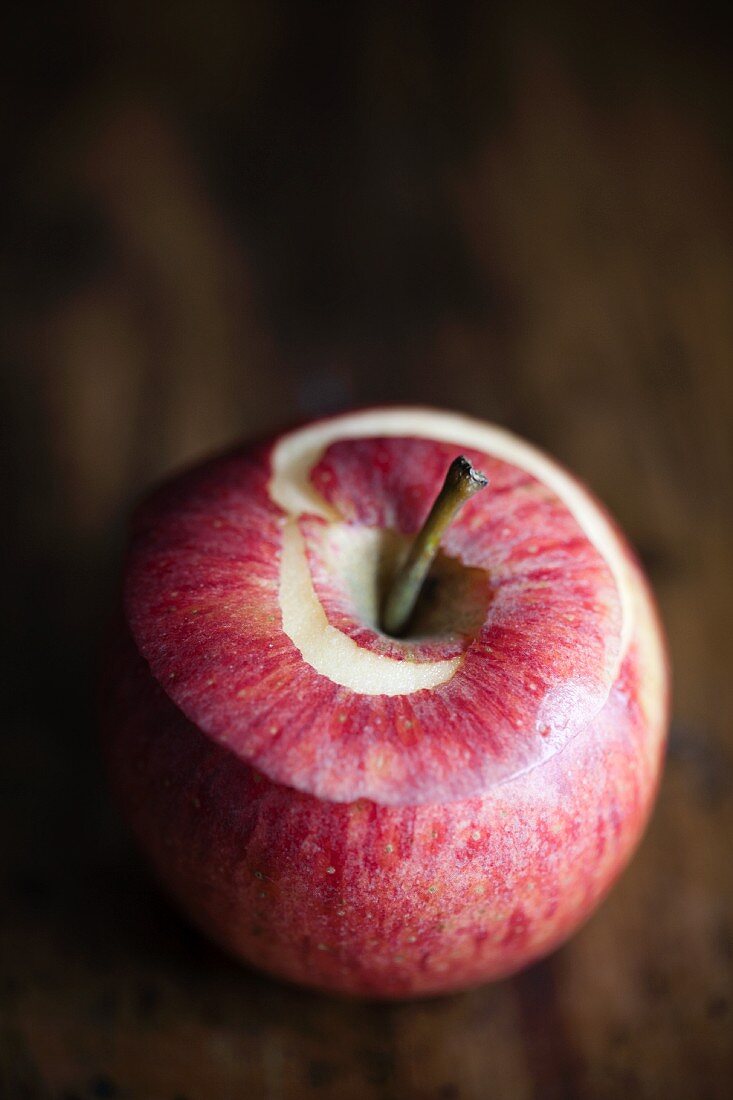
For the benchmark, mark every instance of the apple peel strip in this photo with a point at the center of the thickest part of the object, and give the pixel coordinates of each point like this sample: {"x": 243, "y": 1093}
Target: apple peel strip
{"x": 328, "y": 650}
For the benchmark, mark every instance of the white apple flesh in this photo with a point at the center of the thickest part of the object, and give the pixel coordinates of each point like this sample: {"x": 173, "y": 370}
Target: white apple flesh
{"x": 362, "y": 813}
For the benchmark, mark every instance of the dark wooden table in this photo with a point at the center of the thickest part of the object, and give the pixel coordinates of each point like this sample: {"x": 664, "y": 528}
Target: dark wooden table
{"x": 218, "y": 219}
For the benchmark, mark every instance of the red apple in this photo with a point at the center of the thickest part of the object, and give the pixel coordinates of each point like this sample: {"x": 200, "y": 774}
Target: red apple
{"x": 365, "y": 814}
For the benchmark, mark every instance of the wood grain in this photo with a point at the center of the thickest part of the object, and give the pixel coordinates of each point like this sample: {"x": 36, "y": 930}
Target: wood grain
{"x": 214, "y": 225}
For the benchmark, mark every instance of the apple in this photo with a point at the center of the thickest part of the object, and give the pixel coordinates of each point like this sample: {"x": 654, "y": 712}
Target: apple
{"x": 363, "y": 813}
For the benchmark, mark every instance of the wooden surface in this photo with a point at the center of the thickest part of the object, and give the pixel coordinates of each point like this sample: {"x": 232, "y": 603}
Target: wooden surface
{"x": 216, "y": 219}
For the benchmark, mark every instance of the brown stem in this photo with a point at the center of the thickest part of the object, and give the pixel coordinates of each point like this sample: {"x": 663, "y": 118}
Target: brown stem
{"x": 461, "y": 482}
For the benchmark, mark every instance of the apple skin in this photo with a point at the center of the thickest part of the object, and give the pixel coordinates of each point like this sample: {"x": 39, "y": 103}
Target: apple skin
{"x": 383, "y": 900}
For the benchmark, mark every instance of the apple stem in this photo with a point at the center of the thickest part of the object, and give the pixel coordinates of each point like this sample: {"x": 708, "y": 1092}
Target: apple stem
{"x": 461, "y": 482}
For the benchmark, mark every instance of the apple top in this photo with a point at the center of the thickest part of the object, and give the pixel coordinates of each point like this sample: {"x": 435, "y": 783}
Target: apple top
{"x": 252, "y": 582}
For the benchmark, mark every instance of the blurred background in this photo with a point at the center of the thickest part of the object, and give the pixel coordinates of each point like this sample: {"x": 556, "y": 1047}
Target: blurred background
{"x": 219, "y": 217}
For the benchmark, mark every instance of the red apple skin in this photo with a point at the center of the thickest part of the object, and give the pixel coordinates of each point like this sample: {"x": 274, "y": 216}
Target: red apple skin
{"x": 357, "y": 896}
{"x": 380, "y": 901}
